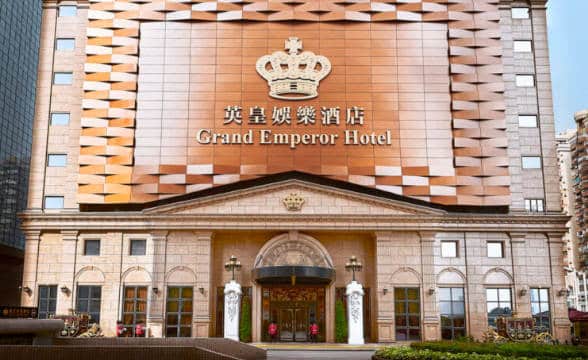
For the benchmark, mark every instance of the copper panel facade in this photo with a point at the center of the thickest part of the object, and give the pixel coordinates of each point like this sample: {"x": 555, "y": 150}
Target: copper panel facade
{"x": 427, "y": 75}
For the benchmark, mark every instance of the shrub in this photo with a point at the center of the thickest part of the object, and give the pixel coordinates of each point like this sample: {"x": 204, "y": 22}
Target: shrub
{"x": 340, "y": 322}
{"x": 245, "y": 320}
{"x": 405, "y": 353}
{"x": 515, "y": 350}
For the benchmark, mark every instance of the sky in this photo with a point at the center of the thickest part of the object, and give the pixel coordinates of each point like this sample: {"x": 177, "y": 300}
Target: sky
{"x": 568, "y": 46}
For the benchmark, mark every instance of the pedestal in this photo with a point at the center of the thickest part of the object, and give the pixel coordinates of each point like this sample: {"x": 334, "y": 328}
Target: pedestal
{"x": 355, "y": 313}
{"x": 232, "y": 309}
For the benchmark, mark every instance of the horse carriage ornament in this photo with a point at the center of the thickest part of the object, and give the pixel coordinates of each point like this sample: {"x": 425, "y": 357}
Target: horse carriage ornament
{"x": 517, "y": 329}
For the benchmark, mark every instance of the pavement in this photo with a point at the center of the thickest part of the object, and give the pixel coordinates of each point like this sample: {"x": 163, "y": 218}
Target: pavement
{"x": 319, "y": 354}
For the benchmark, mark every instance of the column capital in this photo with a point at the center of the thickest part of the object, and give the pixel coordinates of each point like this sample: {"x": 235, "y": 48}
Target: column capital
{"x": 69, "y": 235}
{"x": 32, "y": 235}
{"x": 159, "y": 234}
{"x": 204, "y": 234}
{"x": 555, "y": 237}
{"x": 517, "y": 237}
{"x": 427, "y": 236}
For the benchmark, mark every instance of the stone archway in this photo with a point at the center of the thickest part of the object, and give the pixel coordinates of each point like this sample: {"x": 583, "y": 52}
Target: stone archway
{"x": 293, "y": 274}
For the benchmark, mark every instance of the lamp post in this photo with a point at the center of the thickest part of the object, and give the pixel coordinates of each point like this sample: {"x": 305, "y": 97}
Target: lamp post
{"x": 232, "y": 300}
{"x": 353, "y": 265}
{"x": 231, "y": 265}
{"x": 354, "y": 293}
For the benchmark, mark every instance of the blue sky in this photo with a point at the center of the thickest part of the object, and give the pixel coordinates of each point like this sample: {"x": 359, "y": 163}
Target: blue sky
{"x": 568, "y": 46}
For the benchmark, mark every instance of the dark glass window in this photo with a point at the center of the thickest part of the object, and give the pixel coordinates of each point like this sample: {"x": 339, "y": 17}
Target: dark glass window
{"x": 47, "y": 301}
{"x": 88, "y": 301}
{"x": 178, "y": 311}
{"x": 540, "y": 309}
{"x": 407, "y": 308}
{"x": 498, "y": 303}
{"x": 91, "y": 247}
{"x": 452, "y": 310}
{"x": 138, "y": 247}
{"x": 135, "y": 308}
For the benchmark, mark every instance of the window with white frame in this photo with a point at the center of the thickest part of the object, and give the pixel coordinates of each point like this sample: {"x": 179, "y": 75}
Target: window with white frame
{"x": 522, "y": 46}
{"x": 495, "y": 249}
{"x": 525, "y": 80}
{"x": 531, "y": 162}
{"x": 67, "y": 10}
{"x": 58, "y": 119}
{"x": 528, "y": 121}
{"x": 62, "y": 78}
{"x": 65, "y": 44}
{"x": 449, "y": 249}
{"x": 534, "y": 205}
{"x": 53, "y": 202}
{"x": 56, "y": 160}
{"x": 520, "y": 13}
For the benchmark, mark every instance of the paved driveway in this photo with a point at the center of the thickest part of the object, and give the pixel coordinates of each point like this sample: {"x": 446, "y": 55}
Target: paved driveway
{"x": 318, "y": 355}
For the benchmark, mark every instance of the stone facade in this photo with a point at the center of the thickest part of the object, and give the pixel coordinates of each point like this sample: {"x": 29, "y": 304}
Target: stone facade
{"x": 153, "y": 73}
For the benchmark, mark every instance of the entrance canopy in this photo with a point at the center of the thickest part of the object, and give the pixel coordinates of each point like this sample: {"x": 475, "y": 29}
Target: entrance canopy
{"x": 293, "y": 258}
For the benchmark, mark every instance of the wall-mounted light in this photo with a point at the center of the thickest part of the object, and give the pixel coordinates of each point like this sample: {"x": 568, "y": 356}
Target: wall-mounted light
{"x": 431, "y": 290}
{"x": 27, "y": 290}
{"x": 156, "y": 290}
{"x": 523, "y": 292}
{"x": 385, "y": 291}
{"x": 563, "y": 292}
{"x": 201, "y": 290}
{"x": 64, "y": 289}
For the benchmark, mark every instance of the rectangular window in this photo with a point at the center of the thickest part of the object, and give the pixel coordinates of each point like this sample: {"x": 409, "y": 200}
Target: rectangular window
{"x": 47, "y": 301}
{"x": 88, "y": 300}
{"x": 525, "y": 80}
{"x": 522, "y": 46}
{"x": 495, "y": 249}
{"x": 65, "y": 44}
{"x": 178, "y": 312}
{"x": 134, "y": 309}
{"x": 534, "y": 205}
{"x": 407, "y": 308}
{"x": 531, "y": 162}
{"x": 528, "y": 121}
{"x": 138, "y": 247}
{"x": 67, "y": 10}
{"x": 540, "y": 310}
{"x": 448, "y": 249}
{"x": 53, "y": 202}
{"x": 57, "y": 160}
{"x": 520, "y": 13}
{"x": 452, "y": 310}
{"x": 92, "y": 247}
{"x": 498, "y": 303}
{"x": 59, "y": 119}
{"x": 62, "y": 78}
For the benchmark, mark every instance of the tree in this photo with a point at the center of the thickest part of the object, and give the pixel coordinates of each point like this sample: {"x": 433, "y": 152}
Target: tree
{"x": 245, "y": 320}
{"x": 340, "y": 322}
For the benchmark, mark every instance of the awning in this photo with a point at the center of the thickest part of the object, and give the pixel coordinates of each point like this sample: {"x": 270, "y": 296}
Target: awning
{"x": 576, "y": 315}
{"x": 293, "y": 275}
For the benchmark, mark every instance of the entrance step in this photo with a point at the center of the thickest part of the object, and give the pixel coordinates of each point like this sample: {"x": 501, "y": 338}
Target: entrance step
{"x": 318, "y": 347}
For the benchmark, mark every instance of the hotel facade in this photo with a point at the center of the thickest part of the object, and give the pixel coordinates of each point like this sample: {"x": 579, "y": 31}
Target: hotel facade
{"x": 415, "y": 135}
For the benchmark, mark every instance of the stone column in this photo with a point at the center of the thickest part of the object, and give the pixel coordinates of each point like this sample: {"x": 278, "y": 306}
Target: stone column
{"x": 385, "y": 310}
{"x": 559, "y": 309}
{"x": 431, "y": 328}
{"x": 29, "y": 276}
{"x": 203, "y": 296}
{"x": 522, "y": 303}
{"x": 232, "y": 309}
{"x": 354, "y": 295}
{"x": 155, "y": 322}
{"x": 69, "y": 241}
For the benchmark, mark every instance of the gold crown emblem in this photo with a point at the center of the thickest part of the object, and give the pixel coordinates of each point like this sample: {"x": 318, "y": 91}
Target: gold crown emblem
{"x": 293, "y": 202}
{"x": 293, "y": 76}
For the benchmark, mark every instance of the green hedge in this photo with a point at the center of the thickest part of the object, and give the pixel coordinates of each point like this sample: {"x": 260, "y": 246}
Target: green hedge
{"x": 340, "y": 322}
{"x": 405, "y": 353}
{"x": 245, "y": 320}
{"x": 515, "y": 350}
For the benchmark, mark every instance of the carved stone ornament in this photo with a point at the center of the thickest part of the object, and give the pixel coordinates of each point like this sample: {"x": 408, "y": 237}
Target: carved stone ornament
{"x": 293, "y": 202}
{"x": 232, "y": 301}
{"x": 355, "y": 294}
{"x": 293, "y": 76}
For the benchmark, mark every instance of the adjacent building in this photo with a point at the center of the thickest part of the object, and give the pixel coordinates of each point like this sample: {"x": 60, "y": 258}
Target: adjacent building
{"x": 417, "y": 136}
{"x": 579, "y": 165}
{"x": 20, "y": 27}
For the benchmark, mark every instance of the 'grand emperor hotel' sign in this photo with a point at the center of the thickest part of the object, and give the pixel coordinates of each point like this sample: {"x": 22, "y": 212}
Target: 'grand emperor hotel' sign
{"x": 293, "y": 76}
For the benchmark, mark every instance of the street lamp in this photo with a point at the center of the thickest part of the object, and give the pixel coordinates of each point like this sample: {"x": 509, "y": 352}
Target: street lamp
{"x": 353, "y": 265}
{"x": 232, "y": 264}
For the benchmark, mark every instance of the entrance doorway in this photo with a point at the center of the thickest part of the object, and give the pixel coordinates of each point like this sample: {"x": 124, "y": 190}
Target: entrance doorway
{"x": 293, "y": 308}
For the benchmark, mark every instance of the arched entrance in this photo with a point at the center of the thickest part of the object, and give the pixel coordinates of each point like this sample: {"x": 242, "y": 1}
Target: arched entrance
{"x": 293, "y": 272}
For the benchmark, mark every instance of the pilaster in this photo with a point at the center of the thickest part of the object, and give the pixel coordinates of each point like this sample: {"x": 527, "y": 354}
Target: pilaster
{"x": 156, "y": 309}
{"x": 69, "y": 242}
{"x": 385, "y": 309}
{"x": 29, "y": 278}
{"x": 203, "y": 296}
{"x": 431, "y": 326}
{"x": 521, "y": 293}
{"x": 558, "y": 294}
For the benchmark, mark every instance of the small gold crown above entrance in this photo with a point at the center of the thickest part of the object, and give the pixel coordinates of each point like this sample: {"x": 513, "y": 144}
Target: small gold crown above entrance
{"x": 293, "y": 76}
{"x": 293, "y": 202}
